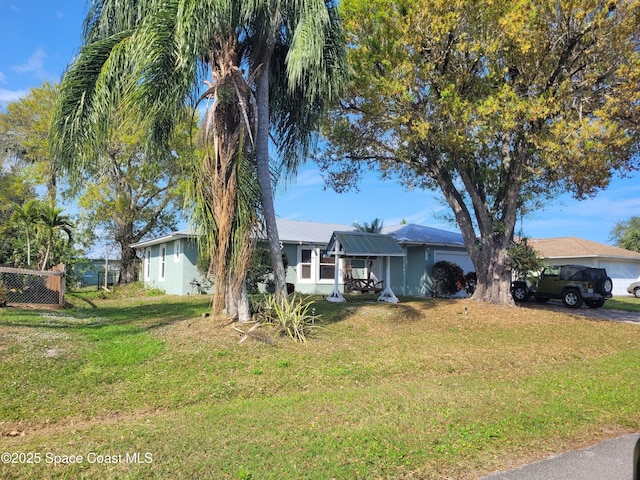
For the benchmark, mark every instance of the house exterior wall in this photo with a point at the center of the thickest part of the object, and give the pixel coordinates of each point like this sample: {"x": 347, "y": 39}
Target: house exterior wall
{"x": 410, "y": 275}
{"x": 172, "y": 267}
{"x": 418, "y": 267}
{"x": 309, "y": 270}
{"x": 417, "y": 279}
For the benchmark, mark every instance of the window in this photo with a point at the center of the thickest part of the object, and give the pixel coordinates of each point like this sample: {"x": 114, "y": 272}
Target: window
{"x": 306, "y": 257}
{"x": 176, "y": 251}
{"x": 147, "y": 259}
{"x": 327, "y": 266}
{"x": 163, "y": 262}
{"x": 314, "y": 266}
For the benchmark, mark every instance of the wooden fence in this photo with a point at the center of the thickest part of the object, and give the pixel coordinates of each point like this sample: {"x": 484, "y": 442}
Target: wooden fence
{"x": 20, "y": 287}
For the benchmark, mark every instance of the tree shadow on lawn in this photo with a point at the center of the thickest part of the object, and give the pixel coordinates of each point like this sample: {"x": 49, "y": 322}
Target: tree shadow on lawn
{"x": 138, "y": 317}
{"x": 407, "y": 309}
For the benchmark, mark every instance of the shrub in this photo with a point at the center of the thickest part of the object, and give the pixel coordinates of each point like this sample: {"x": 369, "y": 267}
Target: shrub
{"x": 291, "y": 314}
{"x": 448, "y": 279}
{"x": 260, "y": 271}
{"x": 470, "y": 281}
{"x": 3, "y": 295}
{"x": 523, "y": 258}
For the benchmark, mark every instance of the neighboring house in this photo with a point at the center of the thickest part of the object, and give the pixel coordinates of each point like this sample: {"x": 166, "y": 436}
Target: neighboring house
{"x": 90, "y": 273}
{"x": 623, "y": 266}
{"x": 170, "y": 261}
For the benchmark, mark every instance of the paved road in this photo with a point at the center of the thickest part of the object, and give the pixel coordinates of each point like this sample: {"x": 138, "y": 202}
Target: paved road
{"x": 609, "y": 460}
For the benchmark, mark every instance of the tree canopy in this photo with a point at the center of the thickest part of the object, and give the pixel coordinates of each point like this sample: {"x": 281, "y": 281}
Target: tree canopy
{"x": 24, "y": 134}
{"x": 494, "y": 103}
{"x": 627, "y": 234}
{"x": 126, "y": 195}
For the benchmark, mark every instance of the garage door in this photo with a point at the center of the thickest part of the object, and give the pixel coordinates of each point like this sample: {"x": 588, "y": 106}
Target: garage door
{"x": 459, "y": 258}
{"x": 622, "y": 274}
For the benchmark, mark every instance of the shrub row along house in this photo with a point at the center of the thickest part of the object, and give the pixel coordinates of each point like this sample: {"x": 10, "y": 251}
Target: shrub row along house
{"x": 170, "y": 261}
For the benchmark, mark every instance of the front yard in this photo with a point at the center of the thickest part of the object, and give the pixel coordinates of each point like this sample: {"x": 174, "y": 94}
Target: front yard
{"x": 148, "y": 387}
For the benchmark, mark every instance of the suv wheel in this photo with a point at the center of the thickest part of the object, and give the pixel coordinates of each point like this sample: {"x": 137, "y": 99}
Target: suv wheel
{"x": 572, "y": 298}
{"x": 605, "y": 286}
{"x": 520, "y": 293}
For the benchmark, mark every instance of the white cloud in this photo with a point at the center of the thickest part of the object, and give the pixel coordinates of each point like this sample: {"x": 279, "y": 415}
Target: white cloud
{"x": 3, "y": 78}
{"x": 34, "y": 65}
{"x": 308, "y": 178}
{"x": 11, "y": 95}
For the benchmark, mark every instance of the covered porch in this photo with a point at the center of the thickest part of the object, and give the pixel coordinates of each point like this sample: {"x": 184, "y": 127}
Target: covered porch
{"x": 368, "y": 247}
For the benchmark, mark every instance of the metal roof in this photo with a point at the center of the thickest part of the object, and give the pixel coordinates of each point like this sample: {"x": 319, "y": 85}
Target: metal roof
{"x": 422, "y": 235}
{"x": 167, "y": 238}
{"x": 295, "y": 231}
{"x": 362, "y": 244}
{"x": 300, "y": 232}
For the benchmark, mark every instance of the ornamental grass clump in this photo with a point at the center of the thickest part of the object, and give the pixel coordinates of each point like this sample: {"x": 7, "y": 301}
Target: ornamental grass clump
{"x": 293, "y": 315}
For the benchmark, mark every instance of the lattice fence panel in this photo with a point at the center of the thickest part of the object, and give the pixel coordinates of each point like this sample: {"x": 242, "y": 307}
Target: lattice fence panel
{"x": 20, "y": 287}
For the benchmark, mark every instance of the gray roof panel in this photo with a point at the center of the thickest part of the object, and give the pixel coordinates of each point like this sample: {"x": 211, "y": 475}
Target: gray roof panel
{"x": 294, "y": 231}
{"x": 362, "y": 244}
{"x": 422, "y": 235}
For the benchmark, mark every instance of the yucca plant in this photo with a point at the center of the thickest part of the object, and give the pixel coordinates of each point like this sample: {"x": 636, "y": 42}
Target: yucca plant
{"x": 293, "y": 315}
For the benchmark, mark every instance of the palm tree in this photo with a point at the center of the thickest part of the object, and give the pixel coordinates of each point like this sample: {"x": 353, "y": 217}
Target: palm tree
{"x": 26, "y": 217}
{"x": 52, "y": 223}
{"x": 273, "y": 64}
{"x": 374, "y": 227}
{"x": 298, "y": 60}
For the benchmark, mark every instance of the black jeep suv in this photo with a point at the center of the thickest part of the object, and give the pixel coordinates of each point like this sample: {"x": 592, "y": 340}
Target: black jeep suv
{"x": 574, "y": 284}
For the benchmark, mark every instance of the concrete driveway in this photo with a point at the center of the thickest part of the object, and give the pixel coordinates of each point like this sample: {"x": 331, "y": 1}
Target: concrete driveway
{"x": 608, "y": 460}
{"x": 596, "y": 313}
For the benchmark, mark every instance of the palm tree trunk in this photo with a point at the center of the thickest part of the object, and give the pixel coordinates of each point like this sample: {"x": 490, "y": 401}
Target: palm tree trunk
{"x": 28, "y": 247}
{"x": 264, "y": 177}
{"x": 46, "y": 256}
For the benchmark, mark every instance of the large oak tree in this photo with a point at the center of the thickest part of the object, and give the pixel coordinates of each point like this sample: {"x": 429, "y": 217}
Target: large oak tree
{"x": 495, "y": 103}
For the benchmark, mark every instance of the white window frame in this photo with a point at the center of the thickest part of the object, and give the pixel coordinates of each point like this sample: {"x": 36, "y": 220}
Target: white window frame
{"x": 147, "y": 262}
{"x": 162, "y": 264}
{"x": 332, "y": 266}
{"x": 177, "y": 251}
{"x": 311, "y": 278}
{"x": 314, "y": 264}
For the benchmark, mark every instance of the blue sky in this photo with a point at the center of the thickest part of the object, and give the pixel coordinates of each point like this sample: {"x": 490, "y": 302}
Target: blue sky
{"x": 40, "y": 37}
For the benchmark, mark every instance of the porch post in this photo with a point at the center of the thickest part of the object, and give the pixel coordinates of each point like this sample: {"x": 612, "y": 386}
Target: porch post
{"x": 387, "y": 294}
{"x": 336, "y": 295}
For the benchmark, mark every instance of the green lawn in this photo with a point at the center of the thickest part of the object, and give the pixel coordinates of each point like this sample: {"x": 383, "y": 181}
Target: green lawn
{"x": 425, "y": 389}
{"x": 627, "y": 303}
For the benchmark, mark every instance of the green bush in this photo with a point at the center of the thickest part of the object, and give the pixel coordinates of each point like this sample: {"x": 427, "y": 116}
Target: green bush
{"x": 3, "y": 295}
{"x": 261, "y": 272}
{"x": 448, "y": 279}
